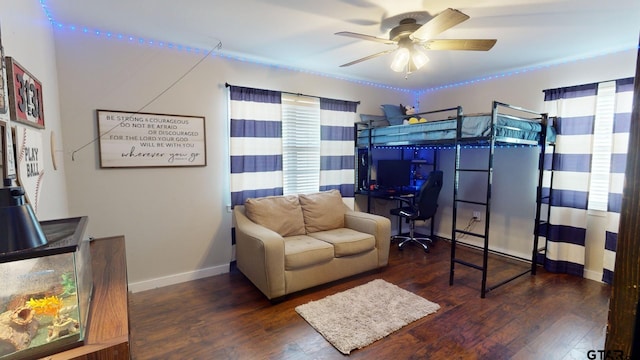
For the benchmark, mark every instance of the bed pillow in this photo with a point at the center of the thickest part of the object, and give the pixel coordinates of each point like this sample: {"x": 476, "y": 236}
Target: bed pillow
{"x": 322, "y": 211}
{"x": 393, "y": 113}
{"x": 281, "y": 214}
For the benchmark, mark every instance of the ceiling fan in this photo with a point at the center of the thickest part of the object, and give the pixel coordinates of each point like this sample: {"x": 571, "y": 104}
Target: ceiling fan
{"x": 412, "y": 39}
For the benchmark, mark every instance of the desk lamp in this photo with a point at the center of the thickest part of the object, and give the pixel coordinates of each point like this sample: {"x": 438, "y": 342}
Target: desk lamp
{"x": 19, "y": 228}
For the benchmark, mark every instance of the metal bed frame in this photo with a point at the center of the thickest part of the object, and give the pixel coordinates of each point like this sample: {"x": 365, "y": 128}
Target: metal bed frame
{"x": 488, "y": 142}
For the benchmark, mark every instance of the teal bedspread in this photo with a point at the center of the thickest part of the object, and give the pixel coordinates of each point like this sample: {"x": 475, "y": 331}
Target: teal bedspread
{"x": 508, "y": 129}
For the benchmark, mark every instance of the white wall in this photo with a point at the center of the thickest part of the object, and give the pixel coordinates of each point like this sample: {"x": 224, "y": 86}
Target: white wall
{"x": 175, "y": 220}
{"x": 28, "y": 38}
{"x": 525, "y": 88}
{"x": 515, "y": 175}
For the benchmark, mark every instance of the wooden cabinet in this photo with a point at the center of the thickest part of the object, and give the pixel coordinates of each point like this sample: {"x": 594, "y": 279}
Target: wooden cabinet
{"x": 107, "y": 336}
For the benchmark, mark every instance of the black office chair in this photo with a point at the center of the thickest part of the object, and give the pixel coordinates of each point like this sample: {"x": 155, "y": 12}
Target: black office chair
{"x": 423, "y": 208}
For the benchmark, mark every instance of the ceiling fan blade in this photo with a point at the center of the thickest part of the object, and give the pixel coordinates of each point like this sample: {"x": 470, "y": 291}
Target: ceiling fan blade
{"x": 368, "y": 58}
{"x": 365, "y": 37}
{"x": 460, "y": 44}
{"x": 441, "y": 22}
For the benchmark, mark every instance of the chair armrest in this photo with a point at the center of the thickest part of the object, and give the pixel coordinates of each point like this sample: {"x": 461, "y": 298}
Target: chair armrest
{"x": 376, "y": 225}
{"x": 259, "y": 254}
{"x": 404, "y": 200}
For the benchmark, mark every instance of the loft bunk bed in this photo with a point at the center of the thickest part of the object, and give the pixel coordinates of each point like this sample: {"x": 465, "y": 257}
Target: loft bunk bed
{"x": 462, "y": 128}
{"x": 504, "y": 125}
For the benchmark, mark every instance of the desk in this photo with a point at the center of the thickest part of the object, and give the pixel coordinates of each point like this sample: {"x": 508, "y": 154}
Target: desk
{"x": 387, "y": 195}
{"x": 384, "y": 194}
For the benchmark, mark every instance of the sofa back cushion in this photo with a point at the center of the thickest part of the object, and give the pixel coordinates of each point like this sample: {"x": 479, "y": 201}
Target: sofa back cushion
{"x": 281, "y": 214}
{"x": 322, "y": 211}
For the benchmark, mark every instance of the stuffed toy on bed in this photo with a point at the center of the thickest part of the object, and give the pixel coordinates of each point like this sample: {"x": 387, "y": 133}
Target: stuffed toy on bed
{"x": 410, "y": 110}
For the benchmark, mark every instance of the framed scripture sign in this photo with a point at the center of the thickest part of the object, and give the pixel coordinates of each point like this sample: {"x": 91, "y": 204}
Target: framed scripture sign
{"x": 25, "y": 95}
{"x": 133, "y": 139}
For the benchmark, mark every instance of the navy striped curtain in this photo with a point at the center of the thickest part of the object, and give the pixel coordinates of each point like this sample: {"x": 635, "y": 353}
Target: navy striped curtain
{"x": 255, "y": 143}
{"x": 337, "y": 159}
{"x": 621, "y": 126}
{"x": 575, "y": 110}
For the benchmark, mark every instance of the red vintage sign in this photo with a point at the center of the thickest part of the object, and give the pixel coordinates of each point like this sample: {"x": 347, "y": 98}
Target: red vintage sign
{"x": 25, "y": 95}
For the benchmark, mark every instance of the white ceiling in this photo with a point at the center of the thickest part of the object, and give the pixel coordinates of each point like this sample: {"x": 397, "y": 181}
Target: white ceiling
{"x": 300, "y": 33}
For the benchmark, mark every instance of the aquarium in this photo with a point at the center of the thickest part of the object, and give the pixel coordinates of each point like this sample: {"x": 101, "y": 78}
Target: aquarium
{"x": 45, "y": 293}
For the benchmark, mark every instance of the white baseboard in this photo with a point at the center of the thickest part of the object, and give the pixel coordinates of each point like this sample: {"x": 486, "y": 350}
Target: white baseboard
{"x": 177, "y": 278}
{"x": 587, "y": 274}
{"x": 221, "y": 269}
{"x": 592, "y": 275}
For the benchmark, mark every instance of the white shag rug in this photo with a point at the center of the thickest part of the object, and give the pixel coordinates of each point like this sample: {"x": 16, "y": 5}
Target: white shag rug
{"x": 357, "y": 317}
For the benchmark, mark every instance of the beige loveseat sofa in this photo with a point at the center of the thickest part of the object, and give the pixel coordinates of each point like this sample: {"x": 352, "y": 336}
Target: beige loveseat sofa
{"x": 289, "y": 243}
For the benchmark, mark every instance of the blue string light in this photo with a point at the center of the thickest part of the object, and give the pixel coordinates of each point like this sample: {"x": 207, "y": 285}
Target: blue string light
{"x": 415, "y": 93}
{"x": 452, "y": 147}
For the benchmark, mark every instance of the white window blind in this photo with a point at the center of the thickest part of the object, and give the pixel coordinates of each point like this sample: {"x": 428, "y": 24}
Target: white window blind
{"x": 602, "y": 145}
{"x": 301, "y": 144}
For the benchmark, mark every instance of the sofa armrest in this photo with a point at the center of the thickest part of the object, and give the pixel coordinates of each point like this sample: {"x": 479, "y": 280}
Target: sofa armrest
{"x": 376, "y": 225}
{"x": 259, "y": 254}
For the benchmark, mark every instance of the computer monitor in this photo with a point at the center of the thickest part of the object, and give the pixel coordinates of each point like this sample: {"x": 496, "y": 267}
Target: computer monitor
{"x": 393, "y": 173}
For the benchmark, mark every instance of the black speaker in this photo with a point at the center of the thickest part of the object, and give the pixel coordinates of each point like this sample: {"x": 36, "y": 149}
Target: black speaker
{"x": 362, "y": 170}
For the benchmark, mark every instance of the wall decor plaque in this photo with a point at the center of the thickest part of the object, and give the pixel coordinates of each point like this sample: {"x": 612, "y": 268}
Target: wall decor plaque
{"x": 25, "y": 95}
{"x": 134, "y": 139}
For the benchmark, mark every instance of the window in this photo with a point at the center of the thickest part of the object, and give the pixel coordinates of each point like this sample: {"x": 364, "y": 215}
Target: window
{"x": 300, "y": 144}
{"x": 602, "y": 146}
{"x": 288, "y": 144}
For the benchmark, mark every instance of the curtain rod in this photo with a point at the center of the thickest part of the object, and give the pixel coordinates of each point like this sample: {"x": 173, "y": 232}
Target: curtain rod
{"x": 226, "y": 84}
{"x": 593, "y": 83}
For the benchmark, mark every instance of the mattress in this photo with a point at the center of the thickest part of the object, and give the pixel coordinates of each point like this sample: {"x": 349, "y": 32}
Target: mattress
{"x": 509, "y": 129}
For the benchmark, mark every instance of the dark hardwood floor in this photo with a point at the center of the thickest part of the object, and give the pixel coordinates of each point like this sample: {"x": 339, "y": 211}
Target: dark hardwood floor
{"x": 547, "y": 316}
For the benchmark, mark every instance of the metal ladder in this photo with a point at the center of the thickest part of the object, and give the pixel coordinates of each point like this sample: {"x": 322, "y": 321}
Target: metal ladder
{"x": 542, "y": 223}
{"x": 458, "y": 171}
{"x": 486, "y": 203}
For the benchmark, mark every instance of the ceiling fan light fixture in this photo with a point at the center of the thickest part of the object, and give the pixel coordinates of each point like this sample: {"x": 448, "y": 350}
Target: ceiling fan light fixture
{"x": 419, "y": 58}
{"x": 401, "y": 59}
{"x": 413, "y": 39}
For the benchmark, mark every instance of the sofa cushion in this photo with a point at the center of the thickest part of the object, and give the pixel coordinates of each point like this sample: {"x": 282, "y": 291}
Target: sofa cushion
{"x": 281, "y": 214}
{"x": 301, "y": 251}
{"x": 322, "y": 211}
{"x": 347, "y": 241}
